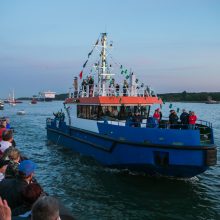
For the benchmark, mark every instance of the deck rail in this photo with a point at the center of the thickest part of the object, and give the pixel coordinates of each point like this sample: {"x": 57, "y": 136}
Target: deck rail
{"x": 93, "y": 90}
{"x": 201, "y": 124}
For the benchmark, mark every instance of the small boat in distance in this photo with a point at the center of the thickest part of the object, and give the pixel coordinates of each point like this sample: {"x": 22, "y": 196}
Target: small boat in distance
{"x": 33, "y": 101}
{"x": 211, "y": 101}
{"x": 1, "y": 105}
{"x": 11, "y": 100}
{"x": 109, "y": 119}
{"x": 21, "y": 112}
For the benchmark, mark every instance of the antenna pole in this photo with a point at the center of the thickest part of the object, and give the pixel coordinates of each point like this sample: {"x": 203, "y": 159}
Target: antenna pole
{"x": 103, "y": 64}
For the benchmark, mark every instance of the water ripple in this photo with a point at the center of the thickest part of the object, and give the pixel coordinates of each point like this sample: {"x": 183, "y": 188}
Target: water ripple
{"x": 94, "y": 192}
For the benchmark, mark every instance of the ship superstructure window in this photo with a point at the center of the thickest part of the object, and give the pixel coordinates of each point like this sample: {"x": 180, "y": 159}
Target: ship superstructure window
{"x": 97, "y": 112}
{"x": 88, "y": 111}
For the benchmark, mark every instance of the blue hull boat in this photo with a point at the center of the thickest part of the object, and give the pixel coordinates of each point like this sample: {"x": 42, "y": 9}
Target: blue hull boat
{"x": 167, "y": 152}
{"x": 112, "y": 124}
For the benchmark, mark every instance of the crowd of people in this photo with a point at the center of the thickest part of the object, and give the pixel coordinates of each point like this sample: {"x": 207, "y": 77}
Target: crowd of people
{"x": 113, "y": 89}
{"x": 21, "y": 196}
{"x": 187, "y": 120}
{"x": 89, "y": 81}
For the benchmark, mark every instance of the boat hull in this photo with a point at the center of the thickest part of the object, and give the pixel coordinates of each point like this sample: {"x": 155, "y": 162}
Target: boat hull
{"x": 166, "y": 160}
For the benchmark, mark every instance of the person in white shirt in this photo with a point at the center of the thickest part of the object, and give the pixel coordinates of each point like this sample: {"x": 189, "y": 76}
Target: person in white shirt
{"x": 7, "y": 138}
{"x": 3, "y": 167}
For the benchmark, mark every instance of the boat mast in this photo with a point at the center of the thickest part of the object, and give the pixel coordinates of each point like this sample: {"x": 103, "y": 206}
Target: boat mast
{"x": 103, "y": 64}
{"x": 104, "y": 74}
{"x": 13, "y": 95}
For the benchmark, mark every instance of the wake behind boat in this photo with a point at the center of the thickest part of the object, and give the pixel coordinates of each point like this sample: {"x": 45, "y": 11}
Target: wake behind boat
{"x": 101, "y": 124}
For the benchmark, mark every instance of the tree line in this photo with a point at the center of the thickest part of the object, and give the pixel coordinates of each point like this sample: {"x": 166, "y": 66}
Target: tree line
{"x": 190, "y": 96}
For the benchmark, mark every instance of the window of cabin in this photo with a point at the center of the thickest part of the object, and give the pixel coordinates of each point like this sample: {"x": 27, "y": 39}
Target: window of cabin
{"x": 79, "y": 111}
{"x": 145, "y": 111}
{"x": 87, "y": 111}
{"x": 95, "y": 112}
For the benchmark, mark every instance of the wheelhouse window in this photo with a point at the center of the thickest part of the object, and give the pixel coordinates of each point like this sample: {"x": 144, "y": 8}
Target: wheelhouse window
{"x": 97, "y": 112}
{"x": 88, "y": 111}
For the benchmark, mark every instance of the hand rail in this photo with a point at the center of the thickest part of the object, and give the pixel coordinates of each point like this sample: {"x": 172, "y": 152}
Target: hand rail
{"x": 164, "y": 125}
{"x": 92, "y": 90}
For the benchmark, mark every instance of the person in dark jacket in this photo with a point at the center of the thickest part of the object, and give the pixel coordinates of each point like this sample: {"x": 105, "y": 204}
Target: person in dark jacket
{"x": 173, "y": 119}
{"x": 29, "y": 194}
{"x": 10, "y": 189}
{"x": 84, "y": 85}
{"x": 184, "y": 118}
{"x": 117, "y": 89}
{"x": 125, "y": 88}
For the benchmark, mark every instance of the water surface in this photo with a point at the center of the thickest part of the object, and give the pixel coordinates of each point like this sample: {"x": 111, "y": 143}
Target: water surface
{"x": 95, "y": 192}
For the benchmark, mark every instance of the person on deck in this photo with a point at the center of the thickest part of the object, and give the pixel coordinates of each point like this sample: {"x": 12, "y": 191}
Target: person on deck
{"x": 115, "y": 113}
{"x": 91, "y": 85}
{"x": 173, "y": 119}
{"x": 161, "y": 115}
{"x": 184, "y": 118}
{"x": 137, "y": 119}
{"x": 84, "y": 85}
{"x": 112, "y": 87}
{"x": 117, "y": 89}
{"x": 156, "y": 114}
{"x": 125, "y": 88}
{"x": 192, "y": 120}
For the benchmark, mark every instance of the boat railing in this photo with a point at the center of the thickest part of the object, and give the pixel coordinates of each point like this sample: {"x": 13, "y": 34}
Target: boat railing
{"x": 164, "y": 124}
{"x": 93, "y": 90}
{"x": 204, "y": 123}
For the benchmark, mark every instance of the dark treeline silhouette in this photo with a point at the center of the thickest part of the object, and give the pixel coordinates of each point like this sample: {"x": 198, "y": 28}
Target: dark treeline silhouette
{"x": 190, "y": 96}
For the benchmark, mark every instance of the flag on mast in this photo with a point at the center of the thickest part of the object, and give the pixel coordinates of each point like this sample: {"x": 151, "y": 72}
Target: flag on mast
{"x": 81, "y": 74}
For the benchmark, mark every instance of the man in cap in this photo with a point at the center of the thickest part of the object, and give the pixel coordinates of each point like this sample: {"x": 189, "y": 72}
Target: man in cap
{"x": 10, "y": 189}
{"x": 3, "y": 167}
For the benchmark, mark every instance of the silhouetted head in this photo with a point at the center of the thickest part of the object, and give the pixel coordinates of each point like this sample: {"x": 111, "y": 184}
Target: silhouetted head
{"x": 45, "y": 208}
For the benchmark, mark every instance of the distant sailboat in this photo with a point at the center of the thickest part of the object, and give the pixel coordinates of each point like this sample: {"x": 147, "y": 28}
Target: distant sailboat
{"x": 11, "y": 100}
{"x": 1, "y": 105}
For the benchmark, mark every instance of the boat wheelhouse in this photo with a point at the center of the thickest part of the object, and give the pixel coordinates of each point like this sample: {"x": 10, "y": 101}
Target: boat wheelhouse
{"x": 112, "y": 123}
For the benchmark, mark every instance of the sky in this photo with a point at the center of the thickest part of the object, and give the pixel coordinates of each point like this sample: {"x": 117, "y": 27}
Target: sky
{"x": 172, "y": 45}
